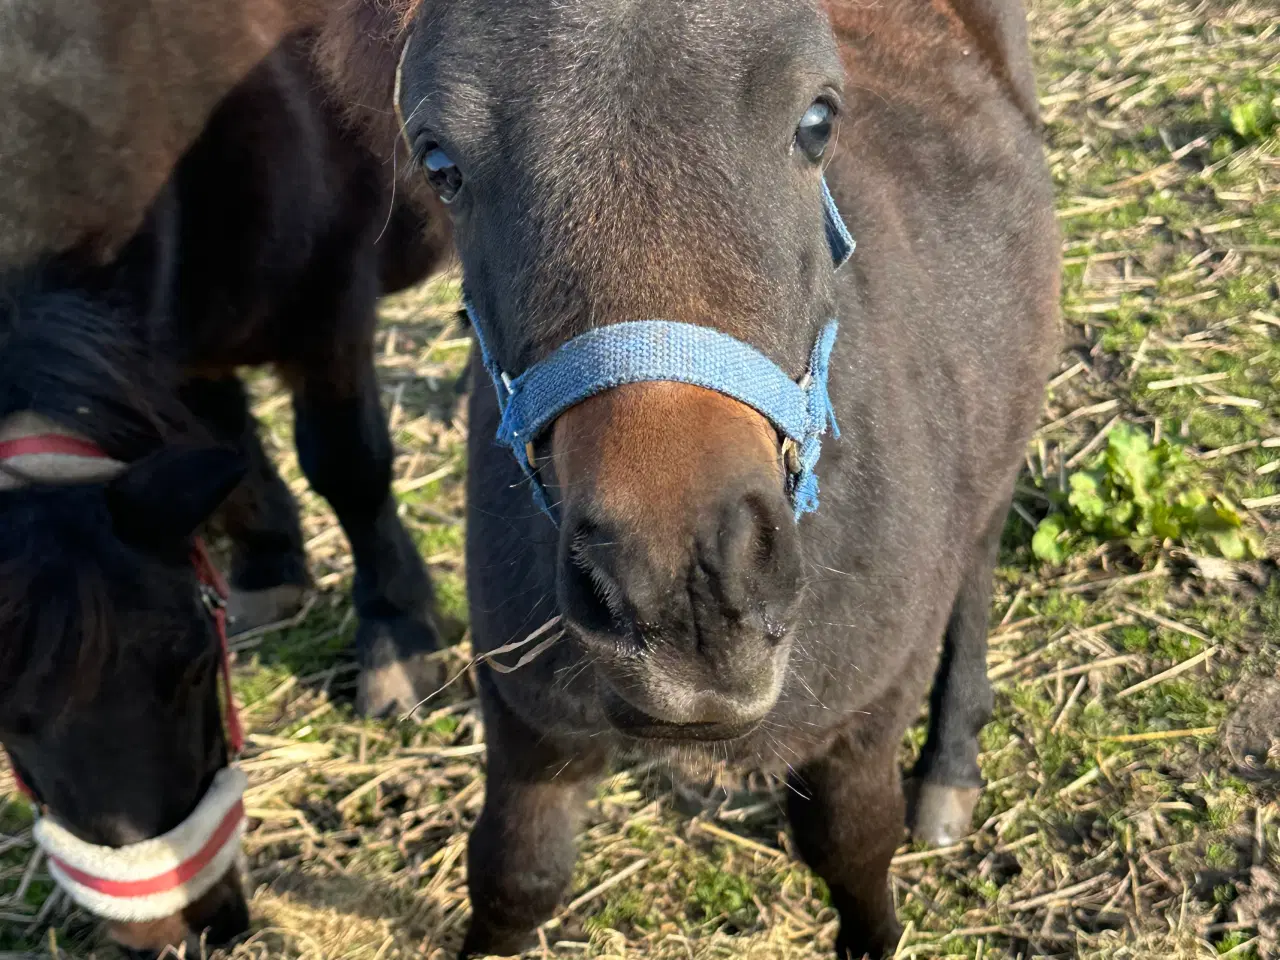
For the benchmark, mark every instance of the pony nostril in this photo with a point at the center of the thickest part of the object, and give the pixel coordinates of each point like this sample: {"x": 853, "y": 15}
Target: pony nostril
{"x": 750, "y": 543}
{"x": 766, "y": 530}
{"x": 589, "y": 590}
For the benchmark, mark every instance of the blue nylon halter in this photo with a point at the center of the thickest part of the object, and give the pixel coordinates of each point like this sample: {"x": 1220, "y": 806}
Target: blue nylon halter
{"x": 644, "y": 350}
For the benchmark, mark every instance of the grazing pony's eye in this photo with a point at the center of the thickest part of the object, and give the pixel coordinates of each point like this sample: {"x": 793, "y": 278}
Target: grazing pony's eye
{"x": 814, "y": 132}
{"x": 442, "y": 173}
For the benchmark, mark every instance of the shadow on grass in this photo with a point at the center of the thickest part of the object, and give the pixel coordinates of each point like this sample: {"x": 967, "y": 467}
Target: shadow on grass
{"x": 306, "y": 912}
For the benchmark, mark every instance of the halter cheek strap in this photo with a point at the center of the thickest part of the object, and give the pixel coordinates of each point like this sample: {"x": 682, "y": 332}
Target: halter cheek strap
{"x": 647, "y": 350}
{"x": 153, "y": 878}
{"x": 215, "y": 593}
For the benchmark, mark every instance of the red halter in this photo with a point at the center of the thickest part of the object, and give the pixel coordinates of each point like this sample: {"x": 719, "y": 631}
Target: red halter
{"x": 213, "y": 588}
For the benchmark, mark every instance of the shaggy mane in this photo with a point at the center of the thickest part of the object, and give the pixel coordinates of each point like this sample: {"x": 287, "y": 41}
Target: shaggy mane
{"x": 81, "y": 363}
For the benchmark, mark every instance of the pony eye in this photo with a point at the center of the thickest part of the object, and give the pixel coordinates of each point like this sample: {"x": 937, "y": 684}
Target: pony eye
{"x": 814, "y": 132}
{"x": 442, "y": 173}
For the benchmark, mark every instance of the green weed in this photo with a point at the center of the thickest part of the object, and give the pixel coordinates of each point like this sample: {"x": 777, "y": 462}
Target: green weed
{"x": 1249, "y": 112}
{"x": 1143, "y": 494}
{"x": 724, "y": 896}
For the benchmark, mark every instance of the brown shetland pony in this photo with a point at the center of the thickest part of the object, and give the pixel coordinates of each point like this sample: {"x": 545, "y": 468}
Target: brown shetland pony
{"x": 607, "y": 161}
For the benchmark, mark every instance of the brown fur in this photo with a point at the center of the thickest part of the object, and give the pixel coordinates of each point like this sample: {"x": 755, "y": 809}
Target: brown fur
{"x": 99, "y": 105}
{"x": 145, "y": 935}
{"x": 261, "y": 249}
{"x": 361, "y": 42}
{"x": 886, "y": 43}
{"x": 152, "y": 935}
{"x": 98, "y": 110}
{"x": 358, "y": 49}
{"x": 684, "y": 432}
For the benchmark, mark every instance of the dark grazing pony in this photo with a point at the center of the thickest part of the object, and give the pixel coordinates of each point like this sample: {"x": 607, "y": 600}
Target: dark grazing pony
{"x": 261, "y": 250}
{"x": 611, "y": 161}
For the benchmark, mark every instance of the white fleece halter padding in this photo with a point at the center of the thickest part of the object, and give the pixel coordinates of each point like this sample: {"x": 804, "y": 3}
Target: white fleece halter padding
{"x": 49, "y": 467}
{"x": 153, "y": 867}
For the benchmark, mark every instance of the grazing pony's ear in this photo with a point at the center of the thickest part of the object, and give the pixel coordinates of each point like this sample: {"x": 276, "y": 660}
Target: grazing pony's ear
{"x": 358, "y": 50}
{"x": 163, "y": 498}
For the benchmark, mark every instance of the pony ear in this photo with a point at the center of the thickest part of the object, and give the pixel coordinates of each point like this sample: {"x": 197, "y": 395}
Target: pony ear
{"x": 164, "y": 497}
{"x": 358, "y": 50}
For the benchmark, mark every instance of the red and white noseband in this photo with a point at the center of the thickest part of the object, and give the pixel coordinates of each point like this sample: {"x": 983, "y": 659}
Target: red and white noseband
{"x": 155, "y": 878}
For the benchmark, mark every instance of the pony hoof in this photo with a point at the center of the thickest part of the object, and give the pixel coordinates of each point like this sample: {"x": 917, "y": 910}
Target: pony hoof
{"x": 395, "y": 675}
{"x": 251, "y": 609}
{"x": 387, "y": 691}
{"x": 941, "y": 815}
{"x": 869, "y": 945}
{"x": 493, "y": 943}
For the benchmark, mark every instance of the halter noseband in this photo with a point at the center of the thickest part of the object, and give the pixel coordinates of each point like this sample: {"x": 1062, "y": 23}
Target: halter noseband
{"x": 645, "y": 350}
{"x": 153, "y": 878}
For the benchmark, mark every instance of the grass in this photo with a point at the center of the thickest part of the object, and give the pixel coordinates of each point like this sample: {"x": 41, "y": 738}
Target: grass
{"x": 1134, "y": 761}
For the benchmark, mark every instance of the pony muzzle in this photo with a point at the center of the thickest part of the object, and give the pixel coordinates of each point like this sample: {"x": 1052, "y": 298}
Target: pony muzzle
{"x": 679, "y": 559}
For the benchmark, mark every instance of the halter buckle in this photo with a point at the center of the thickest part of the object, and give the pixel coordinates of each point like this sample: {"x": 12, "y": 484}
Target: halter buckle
{"x": 791, "y": 456}
{"x": 212, "y": 599}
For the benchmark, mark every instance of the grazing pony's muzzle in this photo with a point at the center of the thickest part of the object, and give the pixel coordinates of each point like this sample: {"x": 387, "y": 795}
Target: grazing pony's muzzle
{"x": 685, "y": 458}
{"x": 216, "y": 918}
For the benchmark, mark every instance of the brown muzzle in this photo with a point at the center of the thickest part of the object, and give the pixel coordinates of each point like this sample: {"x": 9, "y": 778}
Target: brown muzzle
{"x": 679, "y": 563}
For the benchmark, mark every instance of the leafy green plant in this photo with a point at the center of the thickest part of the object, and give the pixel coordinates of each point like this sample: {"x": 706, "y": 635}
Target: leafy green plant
{"x": 1251, "y": 115}
{"x": 1144, "y": 494}
{"x": 724, "y": 896}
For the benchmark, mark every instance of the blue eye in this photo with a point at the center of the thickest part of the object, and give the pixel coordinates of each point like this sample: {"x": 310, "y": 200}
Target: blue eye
{"x": 814, "y": 132}
{"x": 442, "y": 173}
